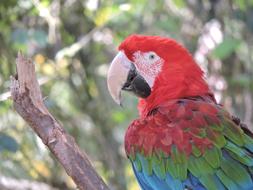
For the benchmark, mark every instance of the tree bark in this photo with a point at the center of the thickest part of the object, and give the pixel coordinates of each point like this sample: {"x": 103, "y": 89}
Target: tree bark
{"x": 28, "y": 102}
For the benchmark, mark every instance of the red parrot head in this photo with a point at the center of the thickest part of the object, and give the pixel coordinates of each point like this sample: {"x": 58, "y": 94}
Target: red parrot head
{"x": 156, "y": 69}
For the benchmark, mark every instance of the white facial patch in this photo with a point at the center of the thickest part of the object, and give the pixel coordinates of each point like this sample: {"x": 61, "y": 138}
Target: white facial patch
{"x": 149, "y": 65}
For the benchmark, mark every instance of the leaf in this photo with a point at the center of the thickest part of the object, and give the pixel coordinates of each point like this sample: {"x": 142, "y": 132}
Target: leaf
{"x": 172, "y": 24}
{"x": 119, "y": 116}
{"x": 226, "y": 48}
{"x": 179, "y": 3}
{"x": 7, "y": 143}
{"x": 242, "y": 80}
{"x": 241, "y": 4}
{"x": 105, "y": 14}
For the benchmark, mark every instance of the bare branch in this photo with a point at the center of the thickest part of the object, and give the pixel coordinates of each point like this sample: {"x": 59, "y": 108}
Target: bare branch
{"x": 6, "y": 95}
{"x": 52, "y": 19}
{"x": 77, "y": 46}
{"x": 29, "y": 104}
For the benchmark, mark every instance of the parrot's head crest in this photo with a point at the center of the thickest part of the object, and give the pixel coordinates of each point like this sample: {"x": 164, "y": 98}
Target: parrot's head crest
{"x": 167, "y": 70}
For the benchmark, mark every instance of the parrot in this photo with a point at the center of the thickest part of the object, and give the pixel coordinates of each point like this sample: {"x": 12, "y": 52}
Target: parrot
{"x": 183, "y": 139}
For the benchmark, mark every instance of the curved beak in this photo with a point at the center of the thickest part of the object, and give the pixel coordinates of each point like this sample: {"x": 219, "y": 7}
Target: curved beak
{"x": 122, "y": 75}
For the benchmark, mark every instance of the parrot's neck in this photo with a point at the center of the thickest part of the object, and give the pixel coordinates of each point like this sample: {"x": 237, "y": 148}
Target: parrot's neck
{"x": 172, "y": 86}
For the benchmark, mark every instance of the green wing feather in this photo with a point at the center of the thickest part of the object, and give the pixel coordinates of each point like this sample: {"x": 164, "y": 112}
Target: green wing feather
{"x": 213, "y": 156}
{"x": 228, "y": 183}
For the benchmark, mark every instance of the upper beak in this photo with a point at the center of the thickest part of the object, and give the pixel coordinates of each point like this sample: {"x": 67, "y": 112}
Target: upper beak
{"x": 122, "y": 75}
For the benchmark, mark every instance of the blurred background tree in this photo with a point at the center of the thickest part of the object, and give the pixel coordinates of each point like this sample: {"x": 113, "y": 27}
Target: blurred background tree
{"x": 72, "y": 43}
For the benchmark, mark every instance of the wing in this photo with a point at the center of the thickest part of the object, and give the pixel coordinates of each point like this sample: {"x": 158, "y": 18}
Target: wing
{"x": 190, "y": 144}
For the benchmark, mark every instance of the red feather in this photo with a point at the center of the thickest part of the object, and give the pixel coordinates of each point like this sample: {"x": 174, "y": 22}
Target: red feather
{"x": 168, "y": 126}
{"x": 180, "y": 76}
{"x": 183, "y": 102}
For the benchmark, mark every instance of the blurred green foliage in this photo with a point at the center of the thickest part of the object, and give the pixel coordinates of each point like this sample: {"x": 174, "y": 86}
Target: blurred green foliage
{"x": 72, "y": 43}
{"x": 226, "y": 48}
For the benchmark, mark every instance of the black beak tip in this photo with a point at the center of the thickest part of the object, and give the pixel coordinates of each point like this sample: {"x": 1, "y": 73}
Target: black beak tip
{"x": 137, "y": 84}
{"x": 141, "y": 87}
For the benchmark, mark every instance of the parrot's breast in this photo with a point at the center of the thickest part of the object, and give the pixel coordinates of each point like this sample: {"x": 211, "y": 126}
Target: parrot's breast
{"x": 181, "y": 123}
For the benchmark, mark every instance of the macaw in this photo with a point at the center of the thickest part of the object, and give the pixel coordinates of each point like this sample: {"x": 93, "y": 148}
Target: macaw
{"x": 183, "y": 139}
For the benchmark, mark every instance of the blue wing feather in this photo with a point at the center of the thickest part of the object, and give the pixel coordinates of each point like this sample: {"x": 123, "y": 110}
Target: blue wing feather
{"x": 141, "y": 180}
{"x": 153, "y": 182}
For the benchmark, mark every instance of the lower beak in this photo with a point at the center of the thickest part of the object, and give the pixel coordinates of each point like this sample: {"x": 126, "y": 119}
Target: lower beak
{"x": 122, "y": 75}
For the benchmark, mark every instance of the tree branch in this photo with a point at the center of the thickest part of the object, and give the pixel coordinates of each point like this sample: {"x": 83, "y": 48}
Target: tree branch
{"x": 77, "y": 46}
{"x": 29, "y": 104}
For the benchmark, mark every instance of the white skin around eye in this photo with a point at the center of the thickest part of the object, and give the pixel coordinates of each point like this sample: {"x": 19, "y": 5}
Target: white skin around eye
{"x": 148, "y": 64}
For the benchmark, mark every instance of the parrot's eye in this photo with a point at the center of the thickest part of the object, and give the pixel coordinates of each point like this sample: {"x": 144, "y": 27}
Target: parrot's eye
{"x": 151, "y": 56}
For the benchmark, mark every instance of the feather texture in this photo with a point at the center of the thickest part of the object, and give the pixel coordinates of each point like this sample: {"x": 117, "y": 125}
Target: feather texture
{"x": 180, "y": 75}
{"x": 190, "y": 143}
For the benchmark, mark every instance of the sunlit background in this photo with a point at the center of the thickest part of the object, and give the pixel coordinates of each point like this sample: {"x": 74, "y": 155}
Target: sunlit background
{"x": 72, "y": 43}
